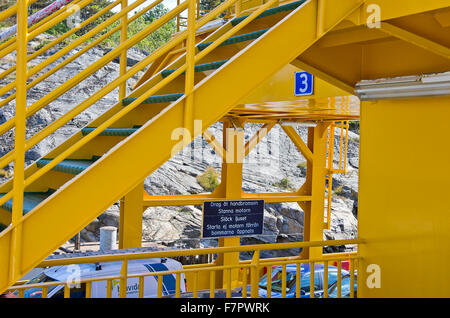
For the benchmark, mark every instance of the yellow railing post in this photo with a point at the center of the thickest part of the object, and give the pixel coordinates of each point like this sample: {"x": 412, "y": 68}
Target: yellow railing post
{"x": 325, "y": 280}
{"x": 254, "y": 278}
{"x": 178, "y": 17}
{"x": 123, "y": 55}
{"x": 123, "y": 279}
{"x": 237, "y": 8}
{"x": 19, "y": 141}
{"x": 190, "y": 67}
{"x": 198, "y": 9}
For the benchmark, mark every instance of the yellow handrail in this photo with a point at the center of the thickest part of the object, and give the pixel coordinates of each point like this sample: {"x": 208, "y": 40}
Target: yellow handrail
{"x": 75, "y": 56}
{"x": 65, "y": 14}
{"x": 76, "y": 43}
{"x": 98, "y": 64}
{"x": 65, "y": 87}
{"x": 211, "y": 250}
{"x": 12, "y": 10}
{"x": 143, "y": 97}
{"x": 8, "y": 12}
{"x": 36, "y": 25}
{"x": 84, "y": 74}
{"x": 253, "y": 268}
{"x": 190, "y": 61}
{"x": 59, "y": 39}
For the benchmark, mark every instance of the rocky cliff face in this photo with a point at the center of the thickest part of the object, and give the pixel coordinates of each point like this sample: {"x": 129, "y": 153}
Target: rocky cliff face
{"x": 275, "y": 164}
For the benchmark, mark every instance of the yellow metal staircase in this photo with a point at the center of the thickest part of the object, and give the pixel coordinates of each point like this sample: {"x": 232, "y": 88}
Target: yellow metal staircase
{"x": 109, "y": 157}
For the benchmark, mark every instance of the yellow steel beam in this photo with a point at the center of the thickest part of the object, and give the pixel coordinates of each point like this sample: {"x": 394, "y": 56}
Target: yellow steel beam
{"x": 230, "y": 188}
{"x": 317, "y": 186}
{"x": 5, "y": 217}
{"x": 417, "y": 40}
{"x": 257, "y": 137}
{"x": 218, "y": 148}
{"x": 357, "y": 34}
{"x": 178, "y": 200}
{"x": 298, "y": 142}
{"x": 15, "y": 253}
{"x": 399, "y": 8}
{"x": 443, "y": 18}
{"x": 130, "y": 225}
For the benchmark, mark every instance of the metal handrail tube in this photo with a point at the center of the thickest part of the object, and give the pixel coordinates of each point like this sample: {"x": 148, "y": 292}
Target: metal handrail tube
{"x": 44, "y": 28}
{"x": 246, "y": 268}
{"x": 36, "y": 25}
{"x": 82, "y": 75}
{"x": 141, "y": 99}
{"x": 76, "y": 55}
{"x": 200, "y": 23}
{"x": 60, "y": 39}
{"x": 12, "y": 10}
{"x": 88, "y": 102}
{"x": 77, "y": 42}
{"x": 210, "y": 250}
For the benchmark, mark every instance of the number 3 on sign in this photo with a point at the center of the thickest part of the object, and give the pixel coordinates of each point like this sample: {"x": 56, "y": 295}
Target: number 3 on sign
{"x": 304, "y": 83}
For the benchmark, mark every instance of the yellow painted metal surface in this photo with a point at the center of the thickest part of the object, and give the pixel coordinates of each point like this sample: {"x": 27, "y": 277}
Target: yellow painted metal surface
{"x": 328, "y": 38}
{"x": 103, "y": 189}
{"x": 280, "y": 87}
{"x": 403, "y": 198}
{"x": 410, "y": 39}
{"x": 130, "y": 224}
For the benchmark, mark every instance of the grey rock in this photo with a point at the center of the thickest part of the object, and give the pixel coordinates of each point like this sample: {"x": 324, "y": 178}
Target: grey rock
{"x": 93, "y": 226}
{"x": 87, "y": 236}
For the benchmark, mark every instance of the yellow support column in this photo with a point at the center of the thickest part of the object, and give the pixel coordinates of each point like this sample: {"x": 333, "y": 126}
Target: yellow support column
{"x": 306, "y": 189}
{"x": 315, "y": 183}
{"x": 19, "y": 142}
{"x": 123, "y": 55}
{"x": 231, "y": 189}
{"x": 131, "y": 210}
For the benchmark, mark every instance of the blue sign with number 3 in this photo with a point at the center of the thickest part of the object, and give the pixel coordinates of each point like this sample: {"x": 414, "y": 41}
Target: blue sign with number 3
{"x": 304, "y": 83}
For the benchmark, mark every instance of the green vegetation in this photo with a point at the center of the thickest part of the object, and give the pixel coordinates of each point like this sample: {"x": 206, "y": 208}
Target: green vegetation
{"x": 209, "y": 179}
{"x": 284, "y": 183}
{"x": 86, "y": 12}
{"x": 154, "y": 40}
{"x": 5, "y": 4}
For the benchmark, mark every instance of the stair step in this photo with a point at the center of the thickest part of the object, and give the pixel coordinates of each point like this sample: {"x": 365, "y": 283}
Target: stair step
{"x": 154, "y": 99}
{"x": 116, "y": 132}
{"x": 199, "y": 68}
{"x": 282, "y": 8}
{"x": 235, "y": 39}
{"x": 30, "y": 200}
{"x": 72, "y": 166}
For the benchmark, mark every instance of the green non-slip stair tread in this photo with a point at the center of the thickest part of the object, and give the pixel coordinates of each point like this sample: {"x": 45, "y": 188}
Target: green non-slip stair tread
{"x": 198, "y": 68}
{"x": 235, "y": 39}
{"x": 72, "y": 166}
{"x": 117, "y": 132}
{"x": 30, "y": 200}
{"x": 271, "y": 11}
{"x": 154, "y": 99}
